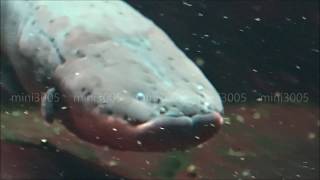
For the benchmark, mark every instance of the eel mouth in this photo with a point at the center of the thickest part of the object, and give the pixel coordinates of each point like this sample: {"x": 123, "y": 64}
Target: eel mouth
{"x": 159, "y": 134}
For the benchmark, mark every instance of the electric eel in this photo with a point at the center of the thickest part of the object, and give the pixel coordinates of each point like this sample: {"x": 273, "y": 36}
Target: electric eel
{"x": 111, "y": 75}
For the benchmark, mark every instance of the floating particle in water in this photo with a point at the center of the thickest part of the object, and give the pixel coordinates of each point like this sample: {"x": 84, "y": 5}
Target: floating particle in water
{"x": 311, "y": 135}
{"x": 259, "y": 99}
{"x": 200, "y": 146}
{"x": 277, "y": 94}
{"x": 186, "y": 49}
{"x": 162, "y": 128}
{"x": 197, "y": 137}
{"x": 64, "y": 107}
{"x": 241, "y": 30}
{"x": 315, "y": 50}
{"x": 298, "y": 67}
{"x": 288, "y": 19}
{"x": 97, "y": 137}
{"x": 112, "y": 163}
{"x": 26, "y": 112}
{"x": 246, "y": 173}
{"x": 200, "y": 14}
{"x": 15, "y": 113}
{"x": 227, "y": 120}
{"x": 77, "y": 74}
{"x": 257, "y": 19}
{"x": 44, "y": 140}
{"x": 191, "y": 170}
{"x": 235, "y": 153}
{"x": 218, "y": 52}
{"x": 186, "y": 3}
{"x": 114, "y": 129}
{"x": 147, "y": 162}
{"x": 240, "y": 118}
{"x": 199, "y": 61}
{"x": 304, "y": 18}
{"x": 242, "y": 158}
{"x": 254, "y": 70}
{"x": 225, "y": 17}
{"x": 139, "y": 142}
{"x": 140, "y": 96}
{"x": 215, "y": 42}
{"x": 256, "y": 115}
{"x": 243, "y": 108}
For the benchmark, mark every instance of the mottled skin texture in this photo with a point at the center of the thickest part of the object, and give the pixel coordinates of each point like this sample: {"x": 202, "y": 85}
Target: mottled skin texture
{"x": 124, "y": 82}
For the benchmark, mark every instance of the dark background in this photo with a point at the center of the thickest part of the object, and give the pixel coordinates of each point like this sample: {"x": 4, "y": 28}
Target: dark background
{"x": 279, "y": 53}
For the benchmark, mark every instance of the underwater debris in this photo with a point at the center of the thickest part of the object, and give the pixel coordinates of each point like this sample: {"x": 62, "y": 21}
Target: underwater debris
{"x": 113, "y": 163}
{"x": 240, "y": 118}
{"x": 191, "y": 170}
{"x": 256, "y": 115}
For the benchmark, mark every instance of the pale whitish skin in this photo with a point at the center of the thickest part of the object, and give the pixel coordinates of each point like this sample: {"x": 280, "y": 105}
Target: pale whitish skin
{"x": 145, "y": 94}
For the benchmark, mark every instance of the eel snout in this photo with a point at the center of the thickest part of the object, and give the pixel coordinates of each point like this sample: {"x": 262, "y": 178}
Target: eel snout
{"x": 106, "y": 107}
{"x": 159, "y": 134}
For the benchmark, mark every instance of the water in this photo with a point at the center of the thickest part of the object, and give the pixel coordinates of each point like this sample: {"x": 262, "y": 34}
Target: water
{"x": 263, "y": 57}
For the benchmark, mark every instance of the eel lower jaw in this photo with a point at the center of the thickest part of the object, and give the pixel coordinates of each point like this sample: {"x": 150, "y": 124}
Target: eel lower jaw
{"x": 159, "y": 134}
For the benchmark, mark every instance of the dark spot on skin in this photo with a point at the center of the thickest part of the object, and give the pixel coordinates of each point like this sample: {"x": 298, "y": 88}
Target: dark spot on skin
{"x": 172, "y": 68}
{"x": 185, "y": 80}
{"x": 33, "y": 22}
{"x": 148, "y": 80}
{"x": 80, "y": 53}
{"x": 97, "y": 55}
{"x": 52, "y": 39}
{"x": 170, "y": 58}
{"x": 83, "y": 89}
{"x": 92, "y": 5}
{"x": 158, "y": 100}
{"x": 109, "y": 112}
{"x": 120, "y": 13}
{"x": 67, "y": 34}
{"x": 104, "y": 110}
{"x": 149, "y": 49}
{"x": 88, "y": 93}
{"x": 51, "y": 21}
{"x": 37, "y": 7}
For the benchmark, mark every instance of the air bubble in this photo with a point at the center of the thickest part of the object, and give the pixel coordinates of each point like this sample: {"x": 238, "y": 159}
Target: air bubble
{"x": 163, "y": 110}
{"x": 140, "y": 96}
{"x": 200, "y": 87}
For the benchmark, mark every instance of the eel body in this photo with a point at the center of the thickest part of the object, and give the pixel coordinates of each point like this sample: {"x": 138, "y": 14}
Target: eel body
{"x": 111, "y": 74}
